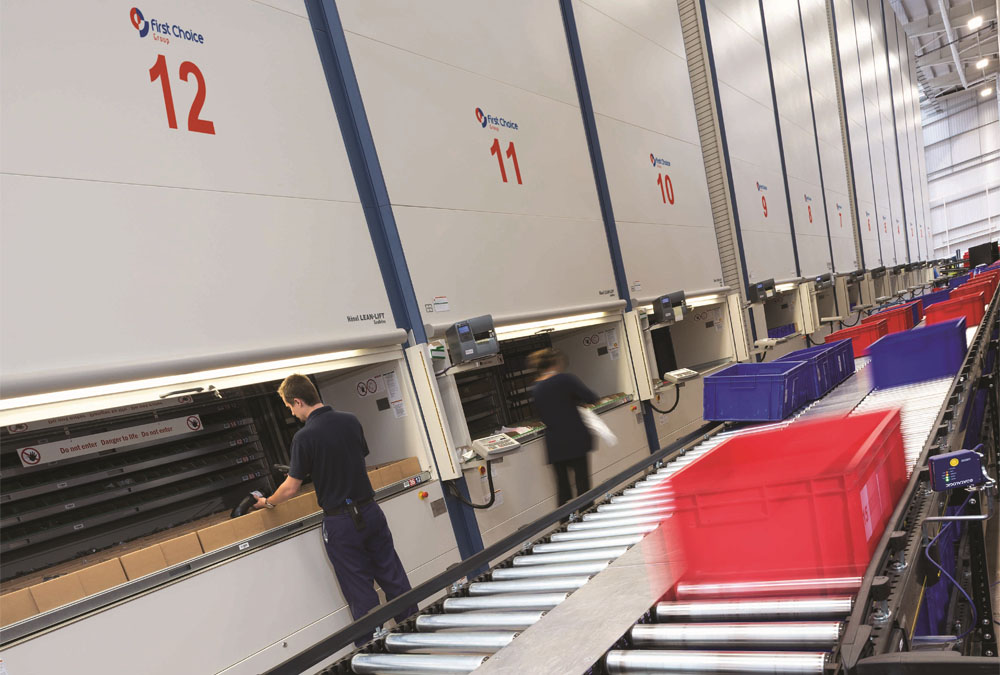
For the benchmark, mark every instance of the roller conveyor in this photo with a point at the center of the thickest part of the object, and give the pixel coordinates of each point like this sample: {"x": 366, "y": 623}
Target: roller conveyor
{"x": 392, "y": 664}
{"x": 784, "y": 626}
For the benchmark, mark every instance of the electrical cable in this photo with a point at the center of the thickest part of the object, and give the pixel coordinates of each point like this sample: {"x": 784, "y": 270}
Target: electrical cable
{"x": 761, "y": 357}
{"x": 677, "y": 400}
{"x": 493, "y": 494}
{"x": 943, "y": 571}
{"x": 444, "y": 371}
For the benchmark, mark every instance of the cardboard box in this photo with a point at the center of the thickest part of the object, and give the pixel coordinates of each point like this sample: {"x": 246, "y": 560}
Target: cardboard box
{"x": 303, "y": 505}
{"x": 248, "y": 525}
{"x": 217, "y": 536}
{"x": 392, "y": 473}
{"x": 57, "y": 592}
{"x": 409, "y": 467}
{"x": 144, "y": 561}
{"x": 181, "y": 549}
{"x": 272, "y": 518}
{"x": 17, "y": 606}
{"x": 102, "y": 576}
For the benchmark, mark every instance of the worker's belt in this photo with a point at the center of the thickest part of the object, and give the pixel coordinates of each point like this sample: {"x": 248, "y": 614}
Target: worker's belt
{"x": 340, "y": 510}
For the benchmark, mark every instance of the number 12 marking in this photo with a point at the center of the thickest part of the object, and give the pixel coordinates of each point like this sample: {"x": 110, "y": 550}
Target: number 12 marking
{"x": 195, "y": 123}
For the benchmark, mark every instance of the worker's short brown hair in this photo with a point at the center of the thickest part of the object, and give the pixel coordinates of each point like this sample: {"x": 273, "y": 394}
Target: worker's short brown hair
{"x": 298, "y": 386}
{"x": 547, "y": 359}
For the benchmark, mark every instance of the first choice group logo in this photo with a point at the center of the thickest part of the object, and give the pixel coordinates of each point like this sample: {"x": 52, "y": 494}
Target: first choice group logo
{"x": 139, "y": 22}
{"x": 162, "y": 28}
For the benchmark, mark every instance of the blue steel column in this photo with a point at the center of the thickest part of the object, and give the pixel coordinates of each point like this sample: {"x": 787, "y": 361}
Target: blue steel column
{"x": 603, "y": 193}
{"x": 346, "y": 94}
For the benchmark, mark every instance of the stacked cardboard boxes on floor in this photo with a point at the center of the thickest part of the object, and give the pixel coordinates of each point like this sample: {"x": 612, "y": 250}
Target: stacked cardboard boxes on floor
{"x": 77, "y": 579}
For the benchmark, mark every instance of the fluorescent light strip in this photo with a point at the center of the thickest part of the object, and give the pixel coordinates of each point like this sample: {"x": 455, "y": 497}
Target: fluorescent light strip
{"x": 533, "y": 327}
{"x": 172, "y": 380}
{"x": 781, "y": 288}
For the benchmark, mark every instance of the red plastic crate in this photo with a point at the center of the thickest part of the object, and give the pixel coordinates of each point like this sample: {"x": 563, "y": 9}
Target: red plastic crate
{"x": 972, "y": 307}
{"x": 861, "y": 335}
{"x": 898, "y": 318}
{"x": 809, "y": 500}
{"x": 986, "y": 286}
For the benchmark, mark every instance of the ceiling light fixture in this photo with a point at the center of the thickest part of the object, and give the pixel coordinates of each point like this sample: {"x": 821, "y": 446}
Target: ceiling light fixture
{"x": 982, "y": 63}
{"x": 986, "y": 92}
{"x": 975, "y": 22}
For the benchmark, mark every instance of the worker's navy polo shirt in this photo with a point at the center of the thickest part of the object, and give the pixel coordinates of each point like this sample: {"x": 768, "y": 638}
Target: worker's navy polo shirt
{"x": 332, "y": 447}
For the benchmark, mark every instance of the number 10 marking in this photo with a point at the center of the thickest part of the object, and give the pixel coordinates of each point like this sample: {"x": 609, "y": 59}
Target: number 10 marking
{"x": 666, "y": 187}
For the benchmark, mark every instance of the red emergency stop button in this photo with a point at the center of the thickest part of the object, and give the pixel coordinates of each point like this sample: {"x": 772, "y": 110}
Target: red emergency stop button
{"x": 423, "y": 495}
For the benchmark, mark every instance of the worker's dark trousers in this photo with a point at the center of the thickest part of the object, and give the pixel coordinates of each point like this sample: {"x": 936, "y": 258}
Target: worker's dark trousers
{"x": 581, "y": 474}
{"x": 361, "y": 557}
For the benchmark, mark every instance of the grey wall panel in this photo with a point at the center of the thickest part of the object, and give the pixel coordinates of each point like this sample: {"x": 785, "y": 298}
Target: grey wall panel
{"x": 641, "y": 91}
{"x": 745, "y": 92}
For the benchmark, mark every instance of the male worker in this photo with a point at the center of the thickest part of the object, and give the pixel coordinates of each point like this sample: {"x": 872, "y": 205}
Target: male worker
{"x": 331, "y": 446}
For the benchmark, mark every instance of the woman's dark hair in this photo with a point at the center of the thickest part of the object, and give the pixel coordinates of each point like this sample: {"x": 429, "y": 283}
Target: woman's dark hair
{"x": 547, "y": 359}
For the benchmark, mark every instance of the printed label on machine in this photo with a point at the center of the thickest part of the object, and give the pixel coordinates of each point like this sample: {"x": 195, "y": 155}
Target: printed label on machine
{"x": 108, "y": 440}
{"x": 98, "y": 414}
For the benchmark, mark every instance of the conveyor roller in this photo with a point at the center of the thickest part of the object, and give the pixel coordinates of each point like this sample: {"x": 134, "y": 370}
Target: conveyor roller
{"x": 665, "y": 661}
{"x": 543, "y": 585}
{"x": 397, "y": 664}
{"x": 837, "y": 585}
{"x": 484, "y": 642}
{"x": 586, "y": 544}
{"x": 756, "y": 635}
{"x": 616, "y": 522}
{"x": 581, "y": 535}
{"x": 652, "y": 503}
{"x": 505, "y": 602}
{"x": 566, "y": 569}
{"x": 633, "y": 512}
{"x": 569, "y": 556}
{"x": 478, "y": 621}
{"x": 784, "y": 608}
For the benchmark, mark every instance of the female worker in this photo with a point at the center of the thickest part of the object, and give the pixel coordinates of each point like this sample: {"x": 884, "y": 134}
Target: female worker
{"x": 567, "y": 440}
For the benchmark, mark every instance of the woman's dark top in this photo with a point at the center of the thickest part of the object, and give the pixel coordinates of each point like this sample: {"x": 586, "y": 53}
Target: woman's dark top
{"x": 556, "y": 400}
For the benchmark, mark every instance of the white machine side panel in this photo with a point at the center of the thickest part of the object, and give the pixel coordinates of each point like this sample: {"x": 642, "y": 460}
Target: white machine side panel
{"x": 650, "y": 144}
{"x": 858, "y": 133}
{"x": 918, "y": 129}
{"x": 211, "y": 621}
{"x": 831, "y": 143}
{"x": 751, "y": 136}
{"x": 902, "y": 140}
{"x": 882, "y": 80}
{"x": 791, "y": 86}
{"x": 453, "y": 117}
{"x": 262, "y": 213}
{"x": 926, "y": 251}
{"x": 876, "y": 151}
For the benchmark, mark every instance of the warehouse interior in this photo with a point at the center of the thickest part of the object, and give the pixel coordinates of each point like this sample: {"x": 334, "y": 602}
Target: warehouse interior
{"x": 759, "y": 233}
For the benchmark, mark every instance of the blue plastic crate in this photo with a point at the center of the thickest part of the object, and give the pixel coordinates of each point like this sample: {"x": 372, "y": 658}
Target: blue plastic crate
{"x": 781, "y": 331}
{"x": 820, "y": 369}
{"x": 954, "y": 282}
{"x": 935, "y": 297}
{"x": 842, "y": 360}
{"x": 920, "y": 354}
{"x": 756, "y": 392}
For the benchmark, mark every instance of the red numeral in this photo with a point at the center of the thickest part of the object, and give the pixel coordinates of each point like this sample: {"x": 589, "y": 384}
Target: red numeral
{"x": 869, "y": 224}
{"x": 495, "y": 150}
{"x": 809, "y": 208}
{"x": 885, "y": 227}
{"x": 194, "y": 122}
{"x": 512, "y": 155}
{"x": 763, "y": 201}
{"x": 666, "y": 188}
{"x": 159, "y": 72}
{"x": 841, "y": 218}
